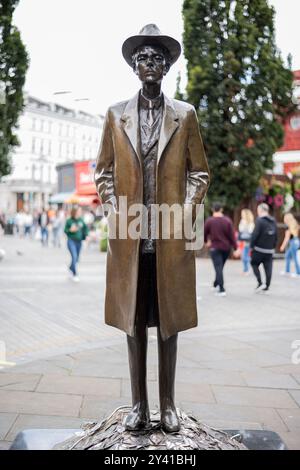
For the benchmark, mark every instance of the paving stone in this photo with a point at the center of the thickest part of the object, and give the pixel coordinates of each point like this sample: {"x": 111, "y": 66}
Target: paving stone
{"x": 5, "y": 445}
{"x": 291, "y": 439}
{"x": 25, "y": 382}
{"x": 239, "y": 425}
{"x": 296, "y": 377}
{"x": 223, "y": 343}
{"x": 259, "y": 357}
{"x": 259, "y": 397}
{"x": 207, "y": 376}
{"x": 80, "y": 385}
{"x": 96, "y": 408}
{"x": 90, "y": 369}
{"x": 268, "y": 418}
{"x": 228, "y": 365}
{"x": 291, "y": 418}
{"x": 296, "y": 396}
{"x": 291, "y": 369}
{"x": 278, "y": 346}
{"x": 6, "y": 422}
{"x": 41, "y": 367}
{"x": 199, "y": 393}
{"x": 39, "y": 403}
{"x": 263, "y": 378}
{"x": 197, "y": 352}
{"x": 43, "y": 422}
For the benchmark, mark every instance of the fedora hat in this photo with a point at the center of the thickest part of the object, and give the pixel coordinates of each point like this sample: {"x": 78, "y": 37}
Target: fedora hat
{"x": 150, "y": 35}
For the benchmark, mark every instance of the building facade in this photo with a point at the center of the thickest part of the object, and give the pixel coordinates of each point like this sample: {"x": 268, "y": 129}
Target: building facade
{"x": 49, "y": 135}
{"x": 287, "y": 158}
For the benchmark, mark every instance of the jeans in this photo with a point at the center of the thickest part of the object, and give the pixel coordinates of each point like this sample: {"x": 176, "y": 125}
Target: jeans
{"x": 267, "y": 260}
{"x": 291, "y": 254}
{"x": 44, "y": 235}
{"x": 219, "y": 258}
{"x": 74, "y": 248}
{"x": 56, "y": 234}
{"x": 246, "y": 257}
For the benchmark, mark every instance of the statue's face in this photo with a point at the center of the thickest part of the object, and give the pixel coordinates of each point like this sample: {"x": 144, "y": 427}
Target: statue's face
{"x": 150, "y": 64}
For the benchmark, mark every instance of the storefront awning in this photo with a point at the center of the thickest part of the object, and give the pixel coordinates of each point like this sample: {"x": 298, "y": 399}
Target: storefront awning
{"x": 60, "y": 198}
{"x": 83, "y": 199}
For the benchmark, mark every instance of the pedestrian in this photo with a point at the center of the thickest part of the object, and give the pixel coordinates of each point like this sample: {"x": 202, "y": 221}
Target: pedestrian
{"x": 76, "y": 231}
{"x": 58, "y": 223}
{"x": 19, "y": 222}
{"x": 28, "y": 222}
{"x": 292, "y": 243}
{"x": 220, "y": 239}
{"x": 263, "y": 243}
{"x": 246, "y": 227}
{"x": 44, "y": 226}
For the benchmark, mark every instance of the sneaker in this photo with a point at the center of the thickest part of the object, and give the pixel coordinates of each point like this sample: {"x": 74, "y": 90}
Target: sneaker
{"x": 214, "y": 288}
{"x": 284, "y": 273}
{"x": 259, "y": 287}
{"x": 220, "y": 293}
{"x": 295, "y": 275}
{"x": 75, "y": 279}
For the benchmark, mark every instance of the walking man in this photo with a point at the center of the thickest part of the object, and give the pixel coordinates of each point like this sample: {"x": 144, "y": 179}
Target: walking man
{"x": 219, "y": 238}
{"x": 263, "y": 243}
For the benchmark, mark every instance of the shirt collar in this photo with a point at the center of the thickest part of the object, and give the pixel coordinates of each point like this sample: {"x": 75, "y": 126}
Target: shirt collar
{"x": 145, "y": 103}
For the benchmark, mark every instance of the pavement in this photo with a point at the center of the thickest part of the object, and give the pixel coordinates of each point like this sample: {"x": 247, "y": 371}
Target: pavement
{"x": 62, "y": 366}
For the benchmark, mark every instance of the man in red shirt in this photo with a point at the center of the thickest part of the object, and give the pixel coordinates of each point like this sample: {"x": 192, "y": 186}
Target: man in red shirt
{"x": 219, "y": 238}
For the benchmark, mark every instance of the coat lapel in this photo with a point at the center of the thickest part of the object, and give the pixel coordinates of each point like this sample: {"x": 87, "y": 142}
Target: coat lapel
{"x": 168, "y": 127}
{"x": 130, "y": 118}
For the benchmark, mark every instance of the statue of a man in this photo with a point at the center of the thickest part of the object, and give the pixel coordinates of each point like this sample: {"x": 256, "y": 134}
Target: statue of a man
{"x": 152, "y": 153}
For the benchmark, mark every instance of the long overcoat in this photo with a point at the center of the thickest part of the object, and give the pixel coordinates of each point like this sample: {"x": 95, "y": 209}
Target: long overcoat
{"x": 182, "y": 177}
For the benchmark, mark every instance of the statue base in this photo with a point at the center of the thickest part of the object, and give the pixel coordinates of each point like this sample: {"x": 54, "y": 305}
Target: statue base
{"x": 110, "y": 434}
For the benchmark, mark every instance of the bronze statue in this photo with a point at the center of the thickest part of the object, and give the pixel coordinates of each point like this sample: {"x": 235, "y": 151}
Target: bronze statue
{"x": 151, "y": 152}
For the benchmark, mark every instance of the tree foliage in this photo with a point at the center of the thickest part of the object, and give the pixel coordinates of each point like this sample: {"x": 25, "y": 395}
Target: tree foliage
{"x": 13, "y": 67}
{"x": 240, "y": 87}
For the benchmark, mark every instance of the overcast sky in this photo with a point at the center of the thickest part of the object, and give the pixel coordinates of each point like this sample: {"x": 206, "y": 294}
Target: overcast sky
{"x": 75, "y": 45}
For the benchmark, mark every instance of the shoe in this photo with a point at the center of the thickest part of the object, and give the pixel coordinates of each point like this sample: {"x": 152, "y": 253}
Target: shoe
{"x": 169, "y": 420}
{"x": 221, "y": 293}
{"x": 260, "y": 287}
{"x": 75, "y": 279}
{"x": 137, "y": 418}
{"x": 214, "y": 288}
{"x": 295, "y": 275}
{"x": 284, "y": 273}
{"x": 265, "y": 290}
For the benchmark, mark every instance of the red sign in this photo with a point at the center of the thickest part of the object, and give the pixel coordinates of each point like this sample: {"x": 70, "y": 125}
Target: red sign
{"x": 84, "y": 175}
{"x": 292, "y": 167}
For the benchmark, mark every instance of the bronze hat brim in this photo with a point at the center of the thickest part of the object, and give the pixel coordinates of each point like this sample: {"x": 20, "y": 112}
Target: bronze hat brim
{"x": 131, "y": 44}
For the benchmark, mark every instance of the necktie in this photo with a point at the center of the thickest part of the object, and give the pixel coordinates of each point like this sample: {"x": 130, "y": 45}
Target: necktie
{"x": 150, "y": 113}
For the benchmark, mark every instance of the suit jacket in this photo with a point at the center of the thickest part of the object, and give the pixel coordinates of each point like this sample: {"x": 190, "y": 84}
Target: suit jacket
{"x": 182, "y": 177}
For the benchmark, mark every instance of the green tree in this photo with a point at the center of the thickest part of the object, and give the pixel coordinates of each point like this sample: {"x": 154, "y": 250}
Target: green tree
{"x": 13, "y": 67}
{"x": 241, "y": 89}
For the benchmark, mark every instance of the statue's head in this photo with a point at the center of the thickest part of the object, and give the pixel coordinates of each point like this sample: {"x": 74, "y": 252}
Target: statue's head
{"x": 151, "y": 63}
{"x": 150, "y": 53}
